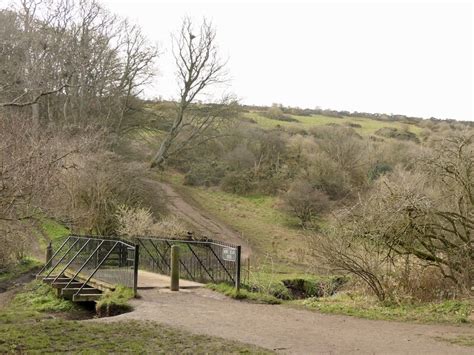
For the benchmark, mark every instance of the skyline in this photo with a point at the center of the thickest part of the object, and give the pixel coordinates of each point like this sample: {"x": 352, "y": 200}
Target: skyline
{"x": 406, "y": 58}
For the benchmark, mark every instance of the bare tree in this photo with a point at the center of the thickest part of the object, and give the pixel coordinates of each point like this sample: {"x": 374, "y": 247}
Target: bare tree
{"x": 427, "y": 213}
{"x": 198, "y": 67}
{"x": 71, "y": 62}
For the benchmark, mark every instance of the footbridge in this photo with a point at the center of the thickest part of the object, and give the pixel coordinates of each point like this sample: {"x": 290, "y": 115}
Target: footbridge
{"x": 83, "y": 267}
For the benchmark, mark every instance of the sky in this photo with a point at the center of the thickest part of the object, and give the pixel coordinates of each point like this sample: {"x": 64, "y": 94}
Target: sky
{"x": 405, "y": 57}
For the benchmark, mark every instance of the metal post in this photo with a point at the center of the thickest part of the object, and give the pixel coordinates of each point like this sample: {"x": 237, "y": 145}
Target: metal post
{"x": 49, "y": 255}
{"x": 237, "y": 276}
{"x": 174, "y": 268}
{"x": 135, "y": 270}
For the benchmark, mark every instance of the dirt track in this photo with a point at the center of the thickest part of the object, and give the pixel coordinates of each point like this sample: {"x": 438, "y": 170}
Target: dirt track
{"x": 205, "y": 224}
{"x": 289, "y": 330}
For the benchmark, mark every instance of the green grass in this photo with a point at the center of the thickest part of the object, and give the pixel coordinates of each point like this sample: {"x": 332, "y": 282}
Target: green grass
{"x": 368, "y": 126}
{"x": 116, "y": 337}
{"x": 114, "y": 302}
{"x": 40, "y": 297}
{"x": 271, "y": 233}
{"x": 243, "y": 294}
{"x": 50, "y": 231}
{"x": 36, "y": 322}
{"x": 455, "y": 312}
{"x": 18, "y": 269}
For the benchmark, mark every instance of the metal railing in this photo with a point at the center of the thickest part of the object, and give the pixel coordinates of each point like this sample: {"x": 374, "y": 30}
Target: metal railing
{"x": 83, "y": 259}
{"x": 200, "y": 260}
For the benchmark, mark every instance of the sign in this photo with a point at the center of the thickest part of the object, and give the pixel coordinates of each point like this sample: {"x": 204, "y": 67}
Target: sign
{"x": 229, "y": 254}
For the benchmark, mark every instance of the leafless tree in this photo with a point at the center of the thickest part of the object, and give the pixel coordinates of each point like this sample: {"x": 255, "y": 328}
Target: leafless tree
{"x": 427, "y": 213}
{"x": 72, "y": 62}
{"x": 198, "y": 68}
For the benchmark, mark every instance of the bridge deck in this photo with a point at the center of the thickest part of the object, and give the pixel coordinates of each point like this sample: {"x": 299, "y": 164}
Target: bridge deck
{"x": 148, "y": 279}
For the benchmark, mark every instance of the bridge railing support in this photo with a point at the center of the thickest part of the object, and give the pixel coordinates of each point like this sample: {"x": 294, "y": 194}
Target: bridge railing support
{"x": 135, "y": 270}
{"x": 174, "y": 268}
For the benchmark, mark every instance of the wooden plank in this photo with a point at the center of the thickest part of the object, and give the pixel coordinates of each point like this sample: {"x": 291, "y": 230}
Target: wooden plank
{"x": 98, "y": 284}
{"x": 86, "y": 297}
{"x": 85, "y": 290}
{"x": 63, "y": 284}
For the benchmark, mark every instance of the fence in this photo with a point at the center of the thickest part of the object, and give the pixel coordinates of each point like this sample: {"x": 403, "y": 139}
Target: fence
{"x": 111, "y": 261}
{"x": 200, "y": 260}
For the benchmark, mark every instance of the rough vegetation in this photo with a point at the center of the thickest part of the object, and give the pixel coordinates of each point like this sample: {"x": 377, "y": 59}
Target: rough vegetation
{"x": 386, "y": 199}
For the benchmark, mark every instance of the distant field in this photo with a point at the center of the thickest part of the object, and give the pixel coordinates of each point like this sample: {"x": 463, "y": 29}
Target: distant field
{"x": 368, "y": 126}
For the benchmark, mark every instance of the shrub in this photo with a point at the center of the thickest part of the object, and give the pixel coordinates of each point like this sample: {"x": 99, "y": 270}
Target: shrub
{"x": 395, "y": 133}
{"x": 237, "y": 183}
{"x": 378, "y": 170}
{"x": 205, "y": 174}
{"x": 304, "y": 201}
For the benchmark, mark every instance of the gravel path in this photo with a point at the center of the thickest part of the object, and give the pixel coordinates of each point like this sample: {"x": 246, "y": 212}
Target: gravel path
{"x": 289, "y": 330}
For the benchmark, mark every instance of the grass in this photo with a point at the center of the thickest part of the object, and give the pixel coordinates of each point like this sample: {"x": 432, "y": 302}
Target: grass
{"x": 23, "y": 266}
{"x": 59, "y": 336}
{"x": 36, "y": 322}
{"x": 54, "y": 231}
{"x": 270, "y": 232}
{"x": 243, "y": 294}
{"x": 368, "y": 126}
{"x": 114, "y": 302}
{"x": 452, "y": 311}
{"x": 40, "y": 297}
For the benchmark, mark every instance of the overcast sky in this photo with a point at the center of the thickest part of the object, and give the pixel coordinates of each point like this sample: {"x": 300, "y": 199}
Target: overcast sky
{"x": 405, "y": 57}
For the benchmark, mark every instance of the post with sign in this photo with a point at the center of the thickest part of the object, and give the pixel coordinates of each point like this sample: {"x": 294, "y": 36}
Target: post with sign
{"x": 237, "y": 276}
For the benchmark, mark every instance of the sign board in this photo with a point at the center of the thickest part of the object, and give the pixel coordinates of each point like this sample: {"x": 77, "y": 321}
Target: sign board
{"x": 229, "y": 254}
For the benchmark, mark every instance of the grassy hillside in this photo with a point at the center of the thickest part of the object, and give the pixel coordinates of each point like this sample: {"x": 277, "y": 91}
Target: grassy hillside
{"x": 368, "y": 125}
{"x": 273, "y": 235}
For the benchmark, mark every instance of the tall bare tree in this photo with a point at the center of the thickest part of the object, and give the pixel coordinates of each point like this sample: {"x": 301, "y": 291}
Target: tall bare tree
{"x": 198, "y": 67}
{"x": 71, "y": 61}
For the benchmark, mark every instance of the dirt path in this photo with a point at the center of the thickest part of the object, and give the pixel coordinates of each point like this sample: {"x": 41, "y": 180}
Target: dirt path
{"x": 9, "y": 289}
{"x": 289, "y": 330}
{"x": 202, "y": 221}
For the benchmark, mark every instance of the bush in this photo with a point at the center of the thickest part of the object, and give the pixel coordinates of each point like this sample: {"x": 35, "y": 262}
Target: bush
{"x": 136, "y": 221}
{"x": 305, "y": 201}
{"x": 237, "y": 183}
{"x": 403, "y": 135}
{"x": 205, "y": 174}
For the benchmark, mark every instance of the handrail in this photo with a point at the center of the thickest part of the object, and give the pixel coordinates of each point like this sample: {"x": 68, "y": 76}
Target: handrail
{"x": 48, "y": 262}
{"x": 70, "y": 261}
{"x": 67, "y": 252}
{"x": 97, "y": 268}
{"x": 77, "y": 254}
{"x": 83, "y": 265}
{"x": 98, "y": 237}
{"x": 191, "y": 241}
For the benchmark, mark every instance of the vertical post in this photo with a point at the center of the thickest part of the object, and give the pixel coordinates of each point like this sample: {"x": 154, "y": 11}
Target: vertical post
{"x": 135, "y": 270}
{"x": 174, "y": 268}
{"x": 248, "y": 270}
{"x": 237, "y": 271}
{"x": 49, "y": 255}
